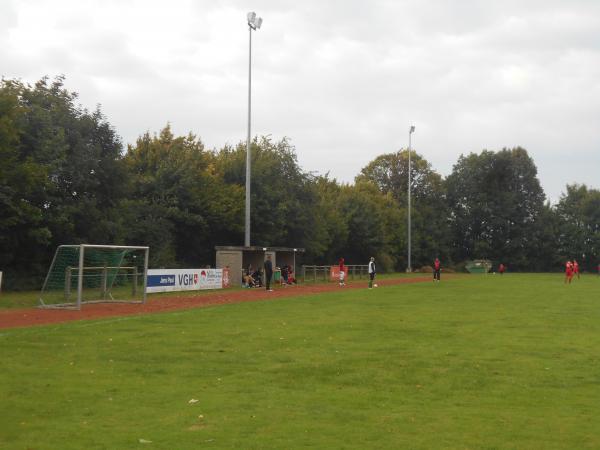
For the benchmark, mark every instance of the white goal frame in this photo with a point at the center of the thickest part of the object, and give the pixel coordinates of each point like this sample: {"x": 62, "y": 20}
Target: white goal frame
{"x": 105, "y": 289}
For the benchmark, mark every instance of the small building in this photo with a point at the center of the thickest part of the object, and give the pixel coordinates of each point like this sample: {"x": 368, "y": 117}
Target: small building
{"x": 239, "y": 259}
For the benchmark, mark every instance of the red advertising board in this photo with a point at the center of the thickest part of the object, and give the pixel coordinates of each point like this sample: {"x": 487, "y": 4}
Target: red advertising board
{"x": 334, "y": 273}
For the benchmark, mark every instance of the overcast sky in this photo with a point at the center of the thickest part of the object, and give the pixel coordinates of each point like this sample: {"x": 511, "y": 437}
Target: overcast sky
{"x": 343, "y": 79}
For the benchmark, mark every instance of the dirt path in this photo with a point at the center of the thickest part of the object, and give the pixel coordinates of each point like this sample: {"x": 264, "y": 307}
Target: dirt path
{"x": 27, "y": 317}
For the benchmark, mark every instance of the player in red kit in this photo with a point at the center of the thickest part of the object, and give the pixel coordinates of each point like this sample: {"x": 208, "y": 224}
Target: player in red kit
{"x": 501, "y": 268}
{"x": 568, "y": 272}
{"x": 437, "y": 267}
{"x": 342, "y": 273}
{"x": 576, "y": 268}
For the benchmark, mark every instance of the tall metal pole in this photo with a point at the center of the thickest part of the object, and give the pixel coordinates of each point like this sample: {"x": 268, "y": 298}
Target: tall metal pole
{"x": 410, "y": 132}
{"x": 80, "y": 274}
{"x": 248, "y": 159}
{"x": 409, "y": 268}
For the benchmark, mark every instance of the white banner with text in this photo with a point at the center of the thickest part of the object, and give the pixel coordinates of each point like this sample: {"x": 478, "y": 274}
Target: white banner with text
{"x": 165, "y": 280}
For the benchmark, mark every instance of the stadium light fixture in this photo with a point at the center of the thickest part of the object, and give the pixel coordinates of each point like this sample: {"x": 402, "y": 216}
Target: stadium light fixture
{"x": 254, "y": 23}
{"x": 410, "y": 132}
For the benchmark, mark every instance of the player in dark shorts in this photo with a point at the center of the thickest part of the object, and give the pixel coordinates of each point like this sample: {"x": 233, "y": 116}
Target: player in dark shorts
{"x": 372, "y": 272}
{"x": 268, "y": 272}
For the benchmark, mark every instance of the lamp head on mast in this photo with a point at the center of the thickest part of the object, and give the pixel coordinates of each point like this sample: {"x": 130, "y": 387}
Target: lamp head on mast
{"x": 253, "y": 21}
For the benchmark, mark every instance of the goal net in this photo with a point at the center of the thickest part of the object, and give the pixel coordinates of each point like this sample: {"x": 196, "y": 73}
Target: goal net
{"x": 81, "y": 274}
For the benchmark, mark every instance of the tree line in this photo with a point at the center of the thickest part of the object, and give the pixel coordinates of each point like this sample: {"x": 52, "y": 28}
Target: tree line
{"x": 67, "y": 178}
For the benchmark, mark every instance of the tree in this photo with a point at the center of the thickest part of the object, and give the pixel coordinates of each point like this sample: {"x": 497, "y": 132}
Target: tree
{"x": 22, "y": 185}
{"x": 430, "y": 237}
{"x": 495, "y": 200}
{"x": 283, "y": 198}
{"x": 543, "y": 255}
{"x": 333, "y": 240}
{"x": 179, "y": 204}
{"x": 578, "y": 212}
{"x": 62, "y": 178}
{"x": 374, "y": 222}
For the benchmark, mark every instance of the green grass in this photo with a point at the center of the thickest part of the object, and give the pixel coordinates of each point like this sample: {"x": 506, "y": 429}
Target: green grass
{"x": 479, "y": 362}
{"x": 19, "y": 299}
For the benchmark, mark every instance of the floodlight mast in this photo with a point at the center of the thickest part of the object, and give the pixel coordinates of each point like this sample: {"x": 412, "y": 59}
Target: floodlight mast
{"x": 254, "y": 23}
{"x": 410, "y": 132}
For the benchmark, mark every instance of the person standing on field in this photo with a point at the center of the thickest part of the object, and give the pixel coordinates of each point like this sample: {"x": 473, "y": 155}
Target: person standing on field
{"x": 268, "y": 272}
{"x": 576, "y": 268}
{"x": 501, "y": 268}
{"x": 437, "y": 267}
{"x": 568, "y": 272}
{"x": 372, "y": 272}
{"x": 342, "y": 273}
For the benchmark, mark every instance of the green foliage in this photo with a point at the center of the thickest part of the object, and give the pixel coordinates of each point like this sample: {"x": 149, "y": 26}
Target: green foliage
{"x": 579, "y": 228}
{"x": 495, "y": 201}
{"x": 371, "y": 220}
{"x": 22, "y": 179}
{"x": 62, "y": 178}
{"x": 178, "y": 204}
{"x": 430, "y": 232}
{"x": 283, "y": 197}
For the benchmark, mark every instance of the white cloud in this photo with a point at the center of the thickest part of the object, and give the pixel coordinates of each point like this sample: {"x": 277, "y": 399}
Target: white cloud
{"x": 342, "y": 79}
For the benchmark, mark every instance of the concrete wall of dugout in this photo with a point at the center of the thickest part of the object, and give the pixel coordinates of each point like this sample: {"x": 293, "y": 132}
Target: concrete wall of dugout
{"x": 240, "y": 258}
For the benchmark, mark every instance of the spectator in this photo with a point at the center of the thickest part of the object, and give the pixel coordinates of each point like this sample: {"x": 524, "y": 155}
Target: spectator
{"x": 249, "y": 281}
{"x": 268, "y": 273}
{"x": 284, "y": 275}
{"x": 257, "y": 276}
{"x": 291, "y": 279}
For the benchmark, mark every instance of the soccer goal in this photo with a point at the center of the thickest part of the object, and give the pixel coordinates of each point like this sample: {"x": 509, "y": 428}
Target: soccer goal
{"x": 81, "y": 274}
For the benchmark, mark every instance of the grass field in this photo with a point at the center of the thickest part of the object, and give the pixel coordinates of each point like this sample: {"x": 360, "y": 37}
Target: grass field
{"x": 479, "y": 362}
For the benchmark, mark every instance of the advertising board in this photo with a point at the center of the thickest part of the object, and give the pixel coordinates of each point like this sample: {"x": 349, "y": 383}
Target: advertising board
{"x": 165, "y": 280}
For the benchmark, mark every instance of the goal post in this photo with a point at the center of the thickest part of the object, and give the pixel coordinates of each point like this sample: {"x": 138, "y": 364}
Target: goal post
{"x": 81, "y": 274}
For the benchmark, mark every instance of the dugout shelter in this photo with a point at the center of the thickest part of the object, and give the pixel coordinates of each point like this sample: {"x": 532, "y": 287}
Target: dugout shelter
{"x": 239, "y": 258}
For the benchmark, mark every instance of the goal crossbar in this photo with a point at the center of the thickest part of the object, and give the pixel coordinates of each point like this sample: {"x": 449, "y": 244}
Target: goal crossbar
{"x": 108, "y": 263}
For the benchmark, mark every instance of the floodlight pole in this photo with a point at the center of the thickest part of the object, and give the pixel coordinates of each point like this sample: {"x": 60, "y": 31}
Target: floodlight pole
{"x": 410, "y": 132}
{"x": 253, "y": 24}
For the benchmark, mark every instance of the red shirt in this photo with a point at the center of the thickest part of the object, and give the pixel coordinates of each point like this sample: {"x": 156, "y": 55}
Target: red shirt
{"x": 576, "y": 267}
{"x": 342, "y": 267}
{"x": 436, "y": 264}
